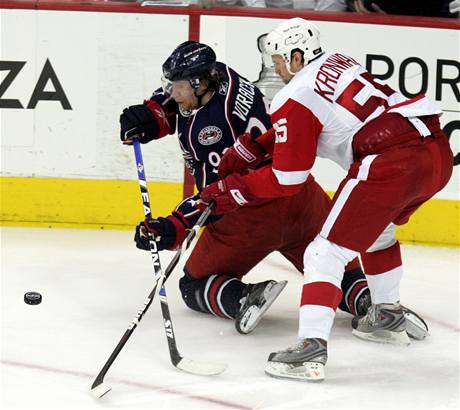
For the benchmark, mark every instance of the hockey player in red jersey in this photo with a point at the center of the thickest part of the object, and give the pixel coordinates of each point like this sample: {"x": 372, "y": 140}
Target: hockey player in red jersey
{"x": 213, "y": 105}
{"x": 396, "y": 156}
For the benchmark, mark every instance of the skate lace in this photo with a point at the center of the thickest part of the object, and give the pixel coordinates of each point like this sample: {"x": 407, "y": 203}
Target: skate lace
{"x": 371, "y": 316}
{"x": 297, "y": 346}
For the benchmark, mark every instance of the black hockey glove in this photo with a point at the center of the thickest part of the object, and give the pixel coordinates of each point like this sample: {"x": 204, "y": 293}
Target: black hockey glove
{"x": 168, "y": 232}
{"x": 138, "y": 120}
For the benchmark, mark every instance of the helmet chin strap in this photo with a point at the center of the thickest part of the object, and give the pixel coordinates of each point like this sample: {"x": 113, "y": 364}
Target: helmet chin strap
{"x": 288, "y": 66}
{"x": 200, "y": 97}
{"x": 287, "y": 63}
{"x": 196, "y": 85}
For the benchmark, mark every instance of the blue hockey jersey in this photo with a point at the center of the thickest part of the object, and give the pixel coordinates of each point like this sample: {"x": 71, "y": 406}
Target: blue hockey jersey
{"x": 206, "y": 133}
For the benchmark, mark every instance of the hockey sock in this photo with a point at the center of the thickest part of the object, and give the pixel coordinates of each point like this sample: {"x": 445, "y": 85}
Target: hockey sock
{"x": 355, "y": 293}
{"x": 383, "y": 272}
{"x": 217, "y": 294}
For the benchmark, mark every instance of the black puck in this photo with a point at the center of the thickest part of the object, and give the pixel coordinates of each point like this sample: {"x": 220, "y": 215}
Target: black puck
{"x": 33, "y": 298}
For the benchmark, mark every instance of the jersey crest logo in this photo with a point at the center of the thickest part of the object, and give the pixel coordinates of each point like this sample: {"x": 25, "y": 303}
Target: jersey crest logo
{"x": 223, "y": 88}
{"x": 209, "y": 135}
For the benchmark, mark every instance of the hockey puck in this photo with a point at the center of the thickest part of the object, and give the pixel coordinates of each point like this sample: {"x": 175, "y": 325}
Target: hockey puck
{"x": 33, "y": 298}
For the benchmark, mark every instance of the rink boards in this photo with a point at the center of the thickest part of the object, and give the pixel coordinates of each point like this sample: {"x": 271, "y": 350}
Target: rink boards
{"x": 67, "y": 74}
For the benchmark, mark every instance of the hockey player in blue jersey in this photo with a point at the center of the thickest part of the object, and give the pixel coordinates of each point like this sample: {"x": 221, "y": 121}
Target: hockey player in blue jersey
{"x": 213, "y": 108}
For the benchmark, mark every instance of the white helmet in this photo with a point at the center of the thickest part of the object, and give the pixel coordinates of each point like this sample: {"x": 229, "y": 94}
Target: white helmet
{"x": 292, "y": 34}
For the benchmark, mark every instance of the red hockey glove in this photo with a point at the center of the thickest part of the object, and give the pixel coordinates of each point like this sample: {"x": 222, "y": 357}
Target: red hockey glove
{"x": 229, "y": 194}
{"x": 245, "y": 154}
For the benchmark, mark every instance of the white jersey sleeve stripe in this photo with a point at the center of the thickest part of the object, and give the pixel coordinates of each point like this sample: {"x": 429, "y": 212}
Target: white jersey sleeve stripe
{"x": 291, "y": 177}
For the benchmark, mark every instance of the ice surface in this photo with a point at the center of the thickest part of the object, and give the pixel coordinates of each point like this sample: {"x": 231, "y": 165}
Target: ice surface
{"x": 93, "y": 283}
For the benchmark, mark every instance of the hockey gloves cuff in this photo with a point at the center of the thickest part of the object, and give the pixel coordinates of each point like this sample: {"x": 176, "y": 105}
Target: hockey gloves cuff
{"x": 169, "y": 233}
{"x": 245, "y": 154}
{"x": 229, "y": 194}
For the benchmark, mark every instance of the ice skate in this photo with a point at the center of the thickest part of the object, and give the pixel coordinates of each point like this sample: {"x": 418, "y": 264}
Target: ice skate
{"x": 256, "y": 300}
{"x": 416, "y": 327}
{"x": 303, "y": 361}
{"x": 384, "y": 323}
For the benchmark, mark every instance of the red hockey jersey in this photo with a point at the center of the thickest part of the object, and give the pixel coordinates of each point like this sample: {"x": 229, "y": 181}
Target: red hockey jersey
{"x": 318, "y": 113}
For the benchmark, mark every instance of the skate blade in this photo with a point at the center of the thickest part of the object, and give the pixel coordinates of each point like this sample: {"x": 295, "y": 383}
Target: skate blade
{"x": 384, "y": 336}
{"x": 308, "y": 372}
{"x": 254, "y": 314}
{"x": 415, "y": 328}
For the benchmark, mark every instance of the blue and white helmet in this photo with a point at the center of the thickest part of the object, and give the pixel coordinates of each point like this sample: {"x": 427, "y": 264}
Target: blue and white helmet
{"x": 189, "y": 61}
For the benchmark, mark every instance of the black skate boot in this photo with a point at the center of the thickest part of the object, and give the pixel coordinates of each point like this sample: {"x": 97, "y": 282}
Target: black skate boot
{"x": 257, "y": 298}
{"x": 303, "y": 361}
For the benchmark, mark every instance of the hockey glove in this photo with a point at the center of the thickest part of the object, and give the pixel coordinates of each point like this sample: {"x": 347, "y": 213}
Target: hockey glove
{"x": 168, "y": 232}
{"x": 245, "y": 154}
{"x": 229, "y": 194}
{"x": 149, "y": 121}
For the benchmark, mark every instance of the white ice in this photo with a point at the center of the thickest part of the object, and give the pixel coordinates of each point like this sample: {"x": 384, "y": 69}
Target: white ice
{"x": 93, "y": 283}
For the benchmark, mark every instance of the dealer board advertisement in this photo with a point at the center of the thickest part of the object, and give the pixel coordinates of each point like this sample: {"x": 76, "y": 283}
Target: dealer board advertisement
{"x": 66, "y": 75}
{"x": 412, "y": 60}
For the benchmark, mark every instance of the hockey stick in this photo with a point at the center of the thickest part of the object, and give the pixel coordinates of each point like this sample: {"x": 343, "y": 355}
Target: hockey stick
{"x": 183, "y": 363}
{"x": 99, "y": 388}
{"x": 177, "y": 360}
